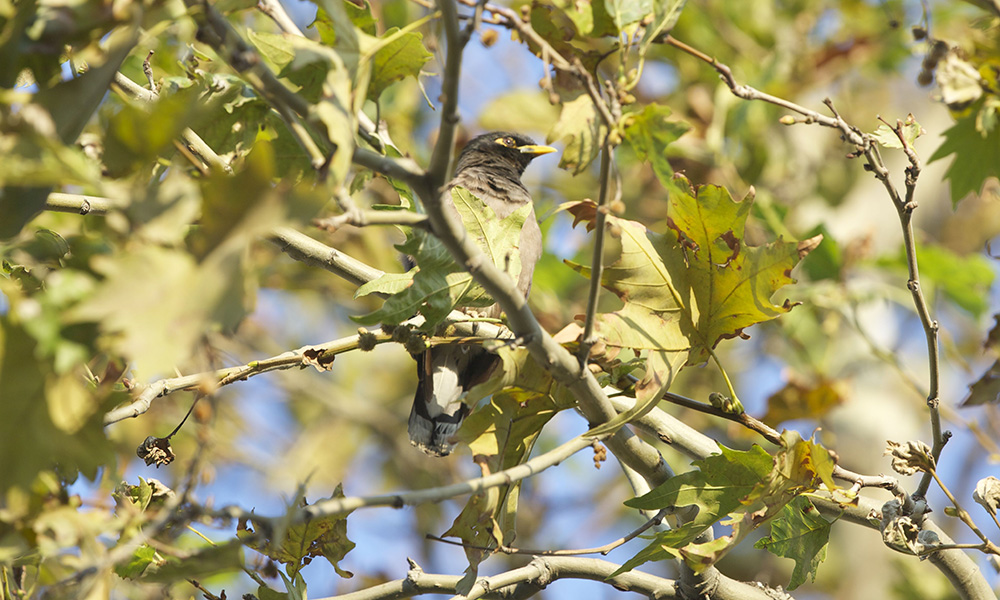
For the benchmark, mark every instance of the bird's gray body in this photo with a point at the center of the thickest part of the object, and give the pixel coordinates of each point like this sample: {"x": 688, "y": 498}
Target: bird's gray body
{"x": 491, "y": 172}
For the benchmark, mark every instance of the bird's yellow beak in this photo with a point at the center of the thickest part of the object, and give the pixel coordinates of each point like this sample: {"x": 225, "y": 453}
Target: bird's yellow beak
{"x": 536, "y": 150}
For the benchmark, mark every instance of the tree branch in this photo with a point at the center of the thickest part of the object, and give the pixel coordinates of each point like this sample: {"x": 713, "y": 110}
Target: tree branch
{"x": 304, "y": 249}
{"x": 588, "y": 338}
{"x": 439, "y": 170}
{"x": 605, "y": 549}
{"x": 275, "y": 10}
{"x": 867, "y": 147}
{"x": 319, "y": 356}
{"x": 130, "y": 90}
{"x": 340, "y": 506}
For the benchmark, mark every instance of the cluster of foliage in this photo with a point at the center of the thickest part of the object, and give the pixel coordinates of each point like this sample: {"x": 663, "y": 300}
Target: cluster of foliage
{"x": 159, "y": 245}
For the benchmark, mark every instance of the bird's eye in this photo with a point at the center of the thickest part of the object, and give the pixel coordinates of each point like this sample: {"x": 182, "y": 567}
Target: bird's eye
{"x": 507, "y": 141}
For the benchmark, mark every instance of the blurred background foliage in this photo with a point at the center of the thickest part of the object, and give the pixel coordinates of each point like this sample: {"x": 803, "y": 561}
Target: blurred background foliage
{"x": 175, "y": 275}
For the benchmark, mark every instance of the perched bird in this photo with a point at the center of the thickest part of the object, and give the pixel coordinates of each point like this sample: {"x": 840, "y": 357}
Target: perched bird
{"x": 490, "y": 166}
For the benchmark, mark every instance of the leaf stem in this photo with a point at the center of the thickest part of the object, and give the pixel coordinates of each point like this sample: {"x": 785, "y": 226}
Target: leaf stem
{"x": 738, "y": 408}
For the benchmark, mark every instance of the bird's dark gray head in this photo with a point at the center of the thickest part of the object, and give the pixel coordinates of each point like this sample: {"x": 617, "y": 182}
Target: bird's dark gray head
{"x": 500, "y": 151}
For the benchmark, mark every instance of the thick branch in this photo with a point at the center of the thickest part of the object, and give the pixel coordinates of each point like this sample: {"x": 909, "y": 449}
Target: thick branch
{"x": 670, "y": 430}
{"x": 304, "y": 249}
{"x": 521, "y": 582}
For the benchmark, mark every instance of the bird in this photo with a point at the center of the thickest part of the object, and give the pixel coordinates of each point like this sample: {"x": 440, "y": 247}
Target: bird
{"x": 490, "y": 167}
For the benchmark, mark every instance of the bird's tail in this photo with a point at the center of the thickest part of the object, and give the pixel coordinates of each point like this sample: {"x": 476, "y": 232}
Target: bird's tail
{"x": 445, "y": 375}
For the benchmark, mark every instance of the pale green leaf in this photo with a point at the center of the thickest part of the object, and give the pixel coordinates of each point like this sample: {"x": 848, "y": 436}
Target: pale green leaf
{"x": 520, "y": 110}
{"x": 625, "y": 13}
{"x": 911, "y": 130}
{"x": 726, "y": 285}
{"x": 580, "y": 128}
{"x": 504, "y": 431}
{"x": 665, "y": 15}
{"x": 74, "y": 444}
{"x": 650, "y": 132}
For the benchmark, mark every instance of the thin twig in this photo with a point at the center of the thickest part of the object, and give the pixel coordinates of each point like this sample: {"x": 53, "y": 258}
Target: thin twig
{"x": 589, "y": 338}
{"x": 147, "y": 70}
{"x": 964, "y": 516}
{"x": 317, "y": 355}
{"x": 603, "y": 550}
{"x": 340, "y": 506}
{"x": 743, "y": 418}
{"x": 867, "y": 147}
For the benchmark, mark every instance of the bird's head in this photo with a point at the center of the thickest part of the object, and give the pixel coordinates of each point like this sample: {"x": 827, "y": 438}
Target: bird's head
{"x": 498, "y": 148}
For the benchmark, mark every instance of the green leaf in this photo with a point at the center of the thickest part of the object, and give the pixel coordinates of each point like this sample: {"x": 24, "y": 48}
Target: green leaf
{"x": 716, "y": 488}
{"x": 301, "y": 60}
{"x": 134, "y": 138}
{"x": 300, "y": 543}
{"x": 665, "y": 15}
{"x": 266, "y": 593}
{"x": 206, "y": 562}
{"x": 66, "y": 107}
{"x": 686, "y": 290}
{"x": 330, "y": 77}
{"x": 650, "y": 320}
{"x": 36, "y": 407}
{"x": 965, "y": 280}
{"x": 35, "y": 163}
{"x": 360, "y": 16}
{"x": 580, "y": 13}
{"x": 580, "y": 128}
{"x": 156, "y": 304}
{"x": 137, "y": 563}
{"x": 986, "y": 390}
{"x": 340, "y": 32}
{"x": 628, "y": 12}
{"x": 724, "y": 284}
{"x": 976, "y": 156}
{"x": 275, "y": 48}
{"x": 799, "y": 467}
{"x": 439, "y": 285}
{"x": 649, "y": 132}
{"x": 750, "y": 486}
{"x": 401, "y": 57}
{"x": 801, "y": 534}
